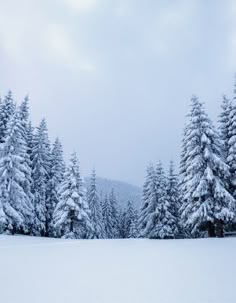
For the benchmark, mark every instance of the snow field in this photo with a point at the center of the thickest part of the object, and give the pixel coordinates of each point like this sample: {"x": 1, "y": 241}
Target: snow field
{"x": 37, "y": 270}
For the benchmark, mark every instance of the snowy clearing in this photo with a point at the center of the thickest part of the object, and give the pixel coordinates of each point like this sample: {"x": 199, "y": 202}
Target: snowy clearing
{"x": 36, "y": 270}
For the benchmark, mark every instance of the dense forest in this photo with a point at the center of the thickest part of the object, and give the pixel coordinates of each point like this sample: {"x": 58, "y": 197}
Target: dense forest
{"x": 42, "y": 196}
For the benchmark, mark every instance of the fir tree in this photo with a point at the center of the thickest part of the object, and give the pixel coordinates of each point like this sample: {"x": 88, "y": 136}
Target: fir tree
{"x": 129, "y": 214}
{"x": 57, "y": 170}
{"x": 134, "y": 232}
{"x": 161, "y": 223}
{"x": 122, "y": 224}
{"x": 7, "y": 110}
{"x": 173, "y": 198}
{"x": 207, "y": 202}
{"x": 149, "y": 201}
{"x": 27, "y": 183}
{"x": 16, "y": 207}
{"x": 95, "y": 208}
{"x": 41, "y": 169}
{"x": 230, "y": 128}
{"x": 24, "y": 111}
{"x": 30, "y": 140}
{"x": 131, "y": 221}
{"x": 108, "y": 222}
{"x": 114, "y": 214}
{"x": 224, "y": 120}
{"x": 72, "y": 215}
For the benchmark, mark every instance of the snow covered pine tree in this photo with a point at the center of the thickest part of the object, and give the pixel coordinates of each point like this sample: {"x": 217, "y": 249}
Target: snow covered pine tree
{"x": 149, "y": 201}
{"x": 173, "y": 198}
{"x": 95, "y": 208}
{"x": 72, "y": 214}
{"x": 41, "y": 165}
{"x": 131, "y": 221}
{"x": 16, "y": 204}
{"x": 207, "y": 201}
{"x": 57, "y": 170}
{"x": 7, "y": 109}
{"x": 107, "y": 218}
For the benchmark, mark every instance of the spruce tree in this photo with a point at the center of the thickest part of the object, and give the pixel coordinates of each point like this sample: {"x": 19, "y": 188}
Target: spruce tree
{"x": 72, "y": 214}
{"x": 173, "y": 197}
{"x": 24, "y": 111}
{"x": 161, "y": 223}
{"x": 129, "y": 217}
{"x": 27, "y": 183}
{"x": 114, "y": 211}
{"x": 16, "y": 204}
{"x": 122, "y": 224}
{"x": 95, "y": 208}
{"x": 30, "y": 140}
{"x": 207, "y": 201}
{"x": 57, "y": 170}
{"x": 134, "y": 232}
{"x": 7, "y": 110}
{"x": 149, "y": 201}
{"x": 41, "y": 165}
{"x": 230, "y": 143}
{"x": 224, "y": 128}
{"x": 107, "y": 213}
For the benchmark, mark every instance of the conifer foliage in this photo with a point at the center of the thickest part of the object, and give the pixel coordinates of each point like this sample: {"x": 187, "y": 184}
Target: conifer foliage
{"x": 95, "y": 208}
{"x": 16, "y": 205}
{"x": 41, "y": 196}
{"x": 72, "y": 214}
{"x": 207, "y": 201}
{"x": 41, "y": 161}
{"x": 7, "y": 109}
{"x": 107, "y": 213}
{"x": 55, "y": 178}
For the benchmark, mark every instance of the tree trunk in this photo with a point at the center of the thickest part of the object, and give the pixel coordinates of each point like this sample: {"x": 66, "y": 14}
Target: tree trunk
{"x": 219, "y": 229}
{"x": 211, "y": 230}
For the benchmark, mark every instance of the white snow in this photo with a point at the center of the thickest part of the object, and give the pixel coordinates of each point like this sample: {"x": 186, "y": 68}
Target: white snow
{"x": 36, "y": 270}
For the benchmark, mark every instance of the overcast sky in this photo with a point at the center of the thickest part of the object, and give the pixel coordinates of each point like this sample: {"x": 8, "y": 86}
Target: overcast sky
{"x": 114, "y": 77}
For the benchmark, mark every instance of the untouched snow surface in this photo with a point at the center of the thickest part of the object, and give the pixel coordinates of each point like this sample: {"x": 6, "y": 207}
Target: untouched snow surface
{"x": 35, "y": 270}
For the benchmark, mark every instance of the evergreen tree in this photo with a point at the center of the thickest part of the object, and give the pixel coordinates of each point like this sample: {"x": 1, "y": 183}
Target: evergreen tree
{"x": 30, "y": 140}
{"x": 149, "y": 201}
{"x": 173, "y": 198}
{"x": 57, "y": 170}
{"x": 114, "y": 213}
{"x": 107, "y": 213}
{"x": 131, "y": 221}
{"x": 95, "y": 208}
{"x": 230, "y": 137}
{"x": 72, "y": 215}
{"x": 41, "y": 158}
{"x": 161, "y": 223}
{"x": 224, "y": 120}
{"x": 184, "y": 230}
{"x": 16, "y": 207}
{"x": 122, "y": 224}
{"x": 24, "y": 111}
{"x": 27, "y": 182}
{"x": 129, "y": 215}
{"x": 7, "y": 109}
{"x": 207, "y": 202}
{"x": 134, "y": 232}
{"x": 183, "y": 163}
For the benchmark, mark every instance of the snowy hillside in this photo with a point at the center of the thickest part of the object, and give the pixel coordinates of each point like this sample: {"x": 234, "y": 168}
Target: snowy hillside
{"x": 36, "y": 270}
{"x": 124, "y": 191}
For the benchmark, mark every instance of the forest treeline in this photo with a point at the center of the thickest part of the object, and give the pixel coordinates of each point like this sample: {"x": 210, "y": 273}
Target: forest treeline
{"x": 42, "y": 196}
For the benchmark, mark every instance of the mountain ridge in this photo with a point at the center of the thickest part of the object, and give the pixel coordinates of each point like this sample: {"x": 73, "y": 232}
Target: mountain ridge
{"x": 124, "y": 191}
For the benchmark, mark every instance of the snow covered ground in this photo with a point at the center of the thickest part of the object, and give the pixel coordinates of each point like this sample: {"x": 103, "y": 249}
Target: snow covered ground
{"x": 35, "y": 270}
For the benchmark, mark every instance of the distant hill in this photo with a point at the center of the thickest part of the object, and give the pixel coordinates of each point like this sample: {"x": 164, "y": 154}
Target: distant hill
{"x": 124, "y": 191}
